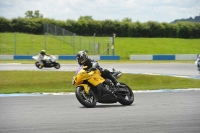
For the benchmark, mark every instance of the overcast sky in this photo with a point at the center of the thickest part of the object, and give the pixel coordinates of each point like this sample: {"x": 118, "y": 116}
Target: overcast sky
{"x": 137, "y": 10}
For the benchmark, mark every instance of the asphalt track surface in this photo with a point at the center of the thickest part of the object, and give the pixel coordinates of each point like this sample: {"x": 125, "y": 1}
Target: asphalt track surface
{"x": 182, "y": 69}
{"x": 152, "y": 112}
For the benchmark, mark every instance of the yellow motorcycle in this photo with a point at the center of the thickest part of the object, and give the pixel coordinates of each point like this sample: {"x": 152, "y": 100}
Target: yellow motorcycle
{"x": 86, "y": 82}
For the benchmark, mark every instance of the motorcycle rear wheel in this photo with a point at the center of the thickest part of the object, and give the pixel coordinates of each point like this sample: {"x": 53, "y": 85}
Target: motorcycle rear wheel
{"x": 87, "y": 100}
{"x": 127, "y": 99}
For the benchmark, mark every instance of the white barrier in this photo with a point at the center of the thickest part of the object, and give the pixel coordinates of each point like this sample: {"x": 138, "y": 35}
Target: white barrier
{"x": 165, "y": 57}
{"x": 185, "y": 56}
{"x": 141, "y": 57}
{"x": 6, "y": 57}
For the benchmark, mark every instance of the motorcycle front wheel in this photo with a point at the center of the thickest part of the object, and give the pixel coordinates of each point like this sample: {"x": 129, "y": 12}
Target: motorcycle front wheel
{"x": 87, "y": 100}
{"x": 37, "y": 64}
{"x": 57, "y": 65}
{"x": 198, "y": 65}
{"x": 128, "y": 98}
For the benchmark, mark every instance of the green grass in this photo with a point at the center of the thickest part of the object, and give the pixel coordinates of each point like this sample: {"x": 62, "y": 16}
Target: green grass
{"x": 51, "y": 81}
{"x": 48, "y": 81}
{"x": 35, "y": 81}
{"x": 28, "y": 44}
{"x": 127, "y": 46}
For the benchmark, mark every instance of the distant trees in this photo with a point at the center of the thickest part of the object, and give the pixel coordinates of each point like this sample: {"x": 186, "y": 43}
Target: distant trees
{"x": 86, "y": 25}
{"x": 127, "y": 20}
{"x": 190, "y": 19}
{"x": 87, "y": 18}
{"x": 5, "y": 25}
{"x": 35, "y": 14}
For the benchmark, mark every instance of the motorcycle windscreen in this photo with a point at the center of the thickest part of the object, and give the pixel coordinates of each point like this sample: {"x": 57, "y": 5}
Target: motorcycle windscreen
{"x": 196, "y": 62}
{"x": 80, "y": 76}
{"x": 78, "y": 70}
{"x": 35, "y": 58}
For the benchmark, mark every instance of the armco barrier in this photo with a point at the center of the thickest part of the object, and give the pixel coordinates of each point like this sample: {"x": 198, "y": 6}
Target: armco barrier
{"x": 59, "y": 57}
{"x": 97, "y": 57}
{"x": 70, "y": 57}
{"x": 164, "y": 57}
{"x": 18, "y": 57}
{"x": 104, "y": 57}
{"x": 109, "y": 57}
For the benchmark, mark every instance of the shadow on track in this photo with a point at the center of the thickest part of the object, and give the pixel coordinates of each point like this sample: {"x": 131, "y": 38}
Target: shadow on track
{"x": 108, "y": 106}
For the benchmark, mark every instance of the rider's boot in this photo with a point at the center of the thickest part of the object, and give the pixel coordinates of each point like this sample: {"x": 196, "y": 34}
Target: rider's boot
{"x": 106, "y": 73}
{"x": 116, "y": 85}
{"x": 115, "y": 82}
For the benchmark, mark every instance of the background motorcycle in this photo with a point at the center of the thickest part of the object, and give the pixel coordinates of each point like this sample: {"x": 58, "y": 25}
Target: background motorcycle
{"x": 49, "y": 61}
{"x": 197, "y": 63}
{"x": 87, "y": 93}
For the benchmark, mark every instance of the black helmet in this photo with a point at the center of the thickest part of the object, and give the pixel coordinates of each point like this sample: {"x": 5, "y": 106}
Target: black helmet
{"x": 42, "y": 52}
{"x": 81, "y": 57}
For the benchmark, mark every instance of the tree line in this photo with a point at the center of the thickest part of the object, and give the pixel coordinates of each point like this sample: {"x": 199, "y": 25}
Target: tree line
{"x": 86, "y": 26}
{"x": 195, "y": 19}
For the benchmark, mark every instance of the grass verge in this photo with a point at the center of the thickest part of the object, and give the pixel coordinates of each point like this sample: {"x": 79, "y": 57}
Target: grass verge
{"x": 50, "y": 81}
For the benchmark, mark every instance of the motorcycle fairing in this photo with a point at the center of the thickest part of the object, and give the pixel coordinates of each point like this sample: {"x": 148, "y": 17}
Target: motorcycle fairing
{"x": 92, "y": 77}
{"x": 86, "y": 88}
{"x": 96, "y": 78}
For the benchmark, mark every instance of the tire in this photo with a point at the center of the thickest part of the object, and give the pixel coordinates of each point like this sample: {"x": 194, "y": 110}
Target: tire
{"x": 198, "y": 65}
{"x": 87, "y": 100}
{"x": 57, "y": 65}
{"x": 37, "y": 64}
{"x": 127, "y": 99}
